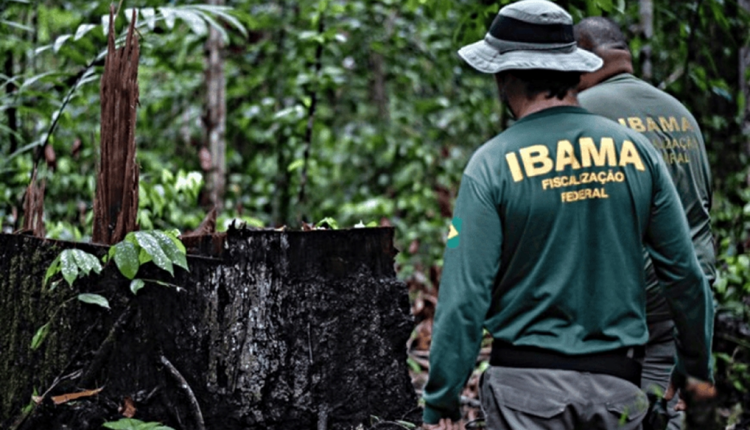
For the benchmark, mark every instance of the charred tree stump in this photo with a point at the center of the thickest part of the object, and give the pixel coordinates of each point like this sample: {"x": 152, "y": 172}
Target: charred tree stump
{"x": 116, "y": 202}
{"x": 283, "y": 330}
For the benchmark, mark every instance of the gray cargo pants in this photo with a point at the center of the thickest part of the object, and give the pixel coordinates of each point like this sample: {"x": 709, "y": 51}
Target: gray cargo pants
{"x": 657, "y": 366}
{"x": 551, "y": 399}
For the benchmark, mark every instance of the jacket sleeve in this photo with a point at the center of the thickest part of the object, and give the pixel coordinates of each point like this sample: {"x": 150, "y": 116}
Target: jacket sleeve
{"x": 685, "y": 287}
{"x": 470, "y": 266}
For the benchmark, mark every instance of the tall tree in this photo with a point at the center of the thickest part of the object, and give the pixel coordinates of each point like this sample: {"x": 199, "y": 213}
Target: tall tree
{"x": 646, "y": 14}
{"x": 215, "y": 115}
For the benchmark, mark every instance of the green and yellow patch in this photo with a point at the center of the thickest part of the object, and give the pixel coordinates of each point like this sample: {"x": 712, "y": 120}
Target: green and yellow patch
{"x": 454, "y": 234}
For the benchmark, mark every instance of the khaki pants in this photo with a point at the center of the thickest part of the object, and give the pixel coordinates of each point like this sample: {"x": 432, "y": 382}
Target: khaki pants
{"x": 536, "y": 399}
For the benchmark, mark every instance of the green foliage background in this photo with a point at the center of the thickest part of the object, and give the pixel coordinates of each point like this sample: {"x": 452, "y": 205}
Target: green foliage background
{"x": 398, "y": 115}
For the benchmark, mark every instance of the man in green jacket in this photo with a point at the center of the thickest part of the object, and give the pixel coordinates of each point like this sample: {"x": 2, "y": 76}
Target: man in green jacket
{"x": 615, "y": 93}
{"x": 545, "y": 249}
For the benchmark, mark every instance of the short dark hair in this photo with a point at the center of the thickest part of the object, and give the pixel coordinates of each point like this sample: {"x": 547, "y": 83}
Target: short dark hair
{"x": 552, "y": 82}
{"x": 597, "y": 32}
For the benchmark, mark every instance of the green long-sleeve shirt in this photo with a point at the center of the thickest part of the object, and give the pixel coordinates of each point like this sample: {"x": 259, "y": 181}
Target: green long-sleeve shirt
{"x": 545, "y": 250}
{"x": 675, "y": 133}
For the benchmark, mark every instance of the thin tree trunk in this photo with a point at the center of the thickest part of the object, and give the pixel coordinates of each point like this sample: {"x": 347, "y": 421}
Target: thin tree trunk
{"x": 10, "y": 89}
{"x": 646, "y": 13}
{"x": 216, "y": 114}
{"x": 744, "y": 67}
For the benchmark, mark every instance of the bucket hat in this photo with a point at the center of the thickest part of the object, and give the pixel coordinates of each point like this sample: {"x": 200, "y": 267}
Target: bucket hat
{"x": 530, "y": 34}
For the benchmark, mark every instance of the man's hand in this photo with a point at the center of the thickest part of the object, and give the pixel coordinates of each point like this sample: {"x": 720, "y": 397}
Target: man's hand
{"x": 699, "y": 391}
{"x": 444, "y": 424}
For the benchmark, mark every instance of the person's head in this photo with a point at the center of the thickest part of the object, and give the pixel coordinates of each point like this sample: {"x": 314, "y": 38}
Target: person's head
{"x": 530, "y": 48}
{"x": 603, "y": 37}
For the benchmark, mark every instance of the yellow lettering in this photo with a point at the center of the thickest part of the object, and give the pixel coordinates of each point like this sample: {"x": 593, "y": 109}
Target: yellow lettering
{"x": 651, "y": 124}
{"x": 629, "y": 155}
{"x": 515, "y": 168}
{"x": 546, "y": 183}
{"x": 622, "y": 121}
{"x": 686, "y": 124}
{"x": 669, "y": 125}
{"x": 619, "y": 176}
{"x": 566, "y": 156}
{"x": 602, "y": 177}
{"x": 605, "y": 153}
{"x": 636, "y": 123}
{"x": 534, "y": 155}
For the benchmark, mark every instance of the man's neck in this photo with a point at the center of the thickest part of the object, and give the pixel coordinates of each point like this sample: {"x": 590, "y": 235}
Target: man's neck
{"x": 523, "y": 106}
{"x": 616, "y": 62}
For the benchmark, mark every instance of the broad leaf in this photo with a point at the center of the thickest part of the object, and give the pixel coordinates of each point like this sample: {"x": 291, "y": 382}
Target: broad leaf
{"x": 86, "y": 262}
{"x": 69, "y": 266}
{"x": 82, "y": 30}
{"x": 193, "y": 20}
{"x": 59, "y": 41}
{"x": 126, "y": 258}
{"x": 40, "y": 335}
{"x": 94, "y": 299}
{"x": 173, "y": 252}
{"x": 136, "y": 285}
{"x": 151, "y": 246}
{"x": 169, "y": 16}
{"x": 149, "y": 14}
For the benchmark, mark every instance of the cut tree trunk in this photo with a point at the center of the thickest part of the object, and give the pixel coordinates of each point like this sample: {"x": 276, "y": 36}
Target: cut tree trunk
{"x": 282, "y": 330}
{"x": 116, "y": 202}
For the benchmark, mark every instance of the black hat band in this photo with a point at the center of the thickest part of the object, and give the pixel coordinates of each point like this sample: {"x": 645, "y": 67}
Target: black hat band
{"x": 515, "y": 30}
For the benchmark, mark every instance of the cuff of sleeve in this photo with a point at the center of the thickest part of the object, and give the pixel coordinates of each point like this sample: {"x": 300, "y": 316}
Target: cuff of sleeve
{"x": 433, "y": 416}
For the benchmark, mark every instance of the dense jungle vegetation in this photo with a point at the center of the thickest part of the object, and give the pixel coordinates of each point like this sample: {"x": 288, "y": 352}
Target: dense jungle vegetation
{"x": 342, "y": 111}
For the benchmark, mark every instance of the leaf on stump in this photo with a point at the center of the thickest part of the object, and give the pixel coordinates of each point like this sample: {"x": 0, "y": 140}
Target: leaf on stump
{"x": 94, "y": 299}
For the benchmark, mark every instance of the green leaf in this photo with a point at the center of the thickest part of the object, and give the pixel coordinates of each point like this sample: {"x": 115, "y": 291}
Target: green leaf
{"x": 296, "y": 164}
{"x": 40, "y": 335}
{"x": 193, "y": 20}
{"x": 372, "y": 224}
{"x": 94, "y": 299}
{"x": 173, "y": 252}
{"x": 126, "y": 258}
{"x": 169, "y": 16}
{"x": 59, "y": 42}
{"x": 52, "y": 270}
{"x": 136, "y": 284}
{"x": 149, "y": 14}
{"x": 86, "y": 262}
{"x": 134, "y": 424}
{"x": 151, "y": 246}
{"x": 328, "y": 220}
{"x": 69, "y": 266}
{"x": 82, "y": 30}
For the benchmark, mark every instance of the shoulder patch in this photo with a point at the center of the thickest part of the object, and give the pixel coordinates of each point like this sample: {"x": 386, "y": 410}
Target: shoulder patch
{"x": 454, "y": 233}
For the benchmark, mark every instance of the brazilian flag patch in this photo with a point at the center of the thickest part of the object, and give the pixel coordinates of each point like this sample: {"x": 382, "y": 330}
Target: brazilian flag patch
{"x": 454, "y": 234}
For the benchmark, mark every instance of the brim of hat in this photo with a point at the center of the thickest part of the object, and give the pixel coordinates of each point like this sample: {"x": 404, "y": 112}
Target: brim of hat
{"x": 486, "y": 59}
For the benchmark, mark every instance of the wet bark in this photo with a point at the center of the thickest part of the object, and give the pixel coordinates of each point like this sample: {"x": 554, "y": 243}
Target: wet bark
{"x": 283, "y": 330}
{"x": 116, "y": 202}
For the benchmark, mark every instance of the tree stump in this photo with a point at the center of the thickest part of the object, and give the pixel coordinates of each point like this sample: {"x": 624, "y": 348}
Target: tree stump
{"x": 282, "y": 330}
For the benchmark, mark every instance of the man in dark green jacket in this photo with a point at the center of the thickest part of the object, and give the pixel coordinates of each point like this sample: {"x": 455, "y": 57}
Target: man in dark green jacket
{"x": 545, "y": 249}
{"x": 615, "y": 93}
